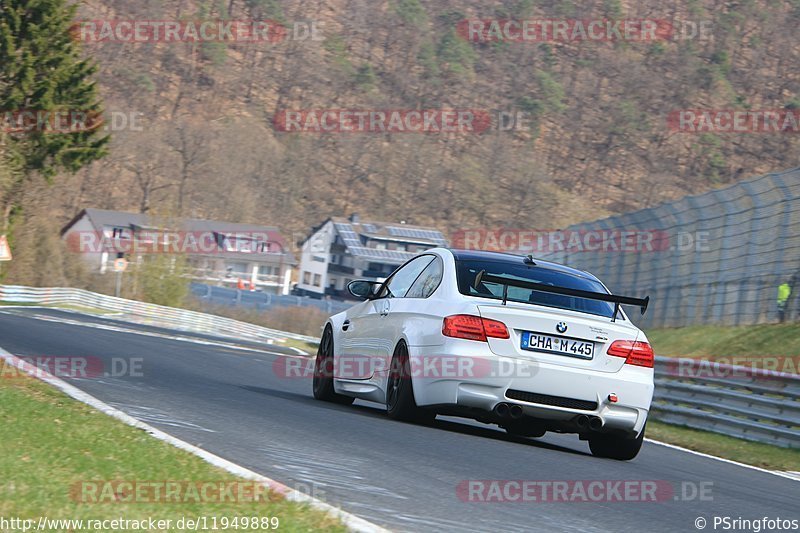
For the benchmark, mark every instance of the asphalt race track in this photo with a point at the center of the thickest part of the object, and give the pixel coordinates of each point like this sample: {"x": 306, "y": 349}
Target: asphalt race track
{"x": 230, "y": 401}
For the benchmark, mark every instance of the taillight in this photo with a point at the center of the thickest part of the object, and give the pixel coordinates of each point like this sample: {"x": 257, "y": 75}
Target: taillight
{"x": 473, "y": 327}
{"x": 635, "y": 352}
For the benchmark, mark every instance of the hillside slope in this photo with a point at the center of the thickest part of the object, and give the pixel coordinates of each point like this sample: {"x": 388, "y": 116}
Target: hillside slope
{"x": 598, "y": 141}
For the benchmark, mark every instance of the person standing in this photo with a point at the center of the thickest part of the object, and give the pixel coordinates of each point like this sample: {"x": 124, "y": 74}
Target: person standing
{"x": 784, "y": 292}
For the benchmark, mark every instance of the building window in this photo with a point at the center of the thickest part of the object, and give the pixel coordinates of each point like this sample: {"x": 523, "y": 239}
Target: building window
{"x": 317, "y": 280}
{"x": 306, "y": 278}
{"x": 119, "y": 233}
{"x": 380, "y": 245}
{"x": 332, "y": 283}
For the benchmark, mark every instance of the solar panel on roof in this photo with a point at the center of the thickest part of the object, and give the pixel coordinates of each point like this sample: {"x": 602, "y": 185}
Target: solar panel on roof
{"x": 370, "y": 228}
{"x": 347, "y": 234}
{"x": 417, "y": 233}
{"x": 387, "y": 255}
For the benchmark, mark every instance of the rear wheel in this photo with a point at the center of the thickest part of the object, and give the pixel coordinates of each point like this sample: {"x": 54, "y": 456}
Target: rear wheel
{"x": 400, "y": 403}
{"x": 323, "y": 372}
{"x": 615, "y": 447}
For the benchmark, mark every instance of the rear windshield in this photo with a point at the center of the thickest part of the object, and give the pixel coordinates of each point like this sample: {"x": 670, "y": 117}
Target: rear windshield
{"x": 467, "y": 270}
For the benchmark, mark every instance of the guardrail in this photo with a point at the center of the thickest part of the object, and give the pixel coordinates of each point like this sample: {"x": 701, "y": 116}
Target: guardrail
{"x": 152, "y": 314}
{"x": 261, "y": 300}
{"x": 753, "y": 404}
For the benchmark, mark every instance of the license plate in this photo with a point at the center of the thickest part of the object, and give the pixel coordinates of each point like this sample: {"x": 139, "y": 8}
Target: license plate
{"x": 537, "y": 342}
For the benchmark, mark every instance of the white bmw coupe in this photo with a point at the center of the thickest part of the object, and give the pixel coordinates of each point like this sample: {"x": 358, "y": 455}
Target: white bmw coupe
{"x": 529, "y": 345}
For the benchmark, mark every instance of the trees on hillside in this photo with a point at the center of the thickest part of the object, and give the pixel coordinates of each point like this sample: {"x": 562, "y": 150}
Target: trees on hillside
{"x": 48, "y": 99}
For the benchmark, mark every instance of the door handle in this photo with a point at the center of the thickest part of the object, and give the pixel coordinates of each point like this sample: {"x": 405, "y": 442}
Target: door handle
{"x": 385, "y": 310}
{"x": 345, "y": 325}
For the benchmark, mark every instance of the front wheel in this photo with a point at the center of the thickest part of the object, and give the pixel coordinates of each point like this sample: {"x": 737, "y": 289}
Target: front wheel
{"x": 614, "y": 447}
{"x": 323, "y": 372}
{"x": 400, "y": 403}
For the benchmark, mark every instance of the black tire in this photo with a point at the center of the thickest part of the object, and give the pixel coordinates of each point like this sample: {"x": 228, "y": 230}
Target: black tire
{"x": 400, "y": 403}
{"x": 615, "y": 447}
{"x": 524, "y": 429}
{"x": 323, "y": 372}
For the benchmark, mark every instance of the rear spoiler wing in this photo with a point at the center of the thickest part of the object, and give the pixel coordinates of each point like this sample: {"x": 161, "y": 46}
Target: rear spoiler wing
{"x": 482, "y": 276}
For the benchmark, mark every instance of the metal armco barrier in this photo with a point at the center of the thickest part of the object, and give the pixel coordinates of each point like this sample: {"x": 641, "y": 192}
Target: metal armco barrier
{"x": 141, "y": 312}
{"x": 717, "y": 258}
{"x": 753, "y": 404}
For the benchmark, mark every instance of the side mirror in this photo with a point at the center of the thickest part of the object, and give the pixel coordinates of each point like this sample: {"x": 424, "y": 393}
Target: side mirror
{"x": 362, "y": 289}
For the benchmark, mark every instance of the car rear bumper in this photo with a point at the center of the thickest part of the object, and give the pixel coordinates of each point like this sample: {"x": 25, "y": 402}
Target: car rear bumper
{"x": 556, "y": 393}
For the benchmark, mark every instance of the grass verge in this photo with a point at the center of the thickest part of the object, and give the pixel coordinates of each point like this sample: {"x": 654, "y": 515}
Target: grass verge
{"x": 716, "y": 342}
{"x": 743, "y": 451}
{"x": 307, "y": 347}
{"x": 51, "y": 444}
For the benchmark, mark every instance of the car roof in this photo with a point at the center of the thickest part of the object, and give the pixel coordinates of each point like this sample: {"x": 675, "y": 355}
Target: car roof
{"x": 503, "y": 257}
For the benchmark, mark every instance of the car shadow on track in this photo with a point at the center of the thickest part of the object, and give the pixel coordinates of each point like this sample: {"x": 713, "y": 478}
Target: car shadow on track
{"x": 309, "y": 400}
{"x": 490, "y": 432}
{"x": 375, "y": 411}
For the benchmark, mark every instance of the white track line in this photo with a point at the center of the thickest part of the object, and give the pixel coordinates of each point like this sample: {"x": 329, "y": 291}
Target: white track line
{"x": 353, "y": 522}
{"x": 132, "y": 330}
{"x": 729, "y": 461}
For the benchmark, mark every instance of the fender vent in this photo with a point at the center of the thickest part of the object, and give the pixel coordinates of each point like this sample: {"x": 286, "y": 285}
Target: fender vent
{"x": 544, "y": 399}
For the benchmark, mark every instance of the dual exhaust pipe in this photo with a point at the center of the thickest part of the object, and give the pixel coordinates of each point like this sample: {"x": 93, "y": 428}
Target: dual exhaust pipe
{"x": 505, "y": 410}
{"x": 584, "y": 422}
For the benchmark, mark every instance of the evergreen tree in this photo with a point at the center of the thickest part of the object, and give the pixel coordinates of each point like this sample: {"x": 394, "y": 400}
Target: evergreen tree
{"x": 41, "y": 70}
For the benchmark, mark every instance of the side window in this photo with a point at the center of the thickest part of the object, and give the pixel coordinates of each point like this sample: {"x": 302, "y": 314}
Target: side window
{"x": 428, "y": 281}
{"x": 399, "y": 283}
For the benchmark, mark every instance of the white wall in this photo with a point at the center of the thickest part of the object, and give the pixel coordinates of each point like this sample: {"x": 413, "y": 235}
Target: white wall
{"x": 84, "y": 229}
{"x": 317, "y": 246}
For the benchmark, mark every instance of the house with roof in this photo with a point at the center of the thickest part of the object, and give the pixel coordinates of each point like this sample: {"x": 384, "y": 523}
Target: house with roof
{"x": 343, "y": 249}
{"x": 220, "y": 253}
